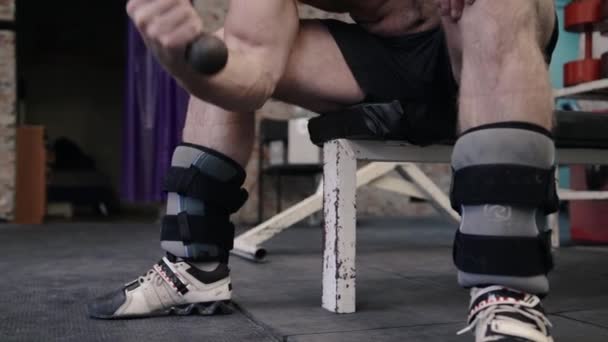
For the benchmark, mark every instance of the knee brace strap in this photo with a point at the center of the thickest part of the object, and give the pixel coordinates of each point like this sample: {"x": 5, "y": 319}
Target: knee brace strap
{"x": 212, "y": 230}
{"x": 502, "y": 255}
{"x": 505, "y": 184}
{"x": 190, "y": 182}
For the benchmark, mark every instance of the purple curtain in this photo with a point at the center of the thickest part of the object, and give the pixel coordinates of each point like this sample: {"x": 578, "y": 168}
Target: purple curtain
{"x": 155, "y": 109}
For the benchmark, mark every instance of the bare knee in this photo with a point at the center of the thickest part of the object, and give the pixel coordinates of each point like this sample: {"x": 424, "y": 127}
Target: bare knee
{"x": 494, "y": 29}
{"x": 504, "y": 73}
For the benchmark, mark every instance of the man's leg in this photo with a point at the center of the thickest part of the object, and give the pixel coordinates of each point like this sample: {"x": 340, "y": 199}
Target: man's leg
{"x": 204, "y": 188}
{"x": 216, "y": 145}
{"x": 503, "y": 165}
{"x": 317, "y": 76}
{"x": 308, "y": 82}
{"x": 226, "y": 132}
{"x": 504, "y": 74}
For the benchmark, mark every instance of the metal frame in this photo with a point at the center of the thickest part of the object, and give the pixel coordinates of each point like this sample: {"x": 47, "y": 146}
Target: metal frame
{"x": 249, "y": 244}
{"x": 337, "y": 195}
{"x": 340, "y": 228}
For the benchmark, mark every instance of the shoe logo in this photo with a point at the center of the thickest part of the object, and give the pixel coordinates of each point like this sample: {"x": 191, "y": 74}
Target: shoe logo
{"x": 491, "y": 300}
{"x": 171, "y": 278}
{"x": 498, "y": 213}
{"x": 162, "y": 273}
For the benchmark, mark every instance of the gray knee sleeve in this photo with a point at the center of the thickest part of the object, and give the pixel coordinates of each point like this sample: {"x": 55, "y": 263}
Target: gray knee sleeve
{"x": 204, "y": 188}
{"x": 503, "y": 178}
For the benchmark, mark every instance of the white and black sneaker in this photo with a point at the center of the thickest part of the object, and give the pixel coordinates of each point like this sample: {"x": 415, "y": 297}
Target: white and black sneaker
{"x": 502, "y": 314}
{"x": 171, "y": 287}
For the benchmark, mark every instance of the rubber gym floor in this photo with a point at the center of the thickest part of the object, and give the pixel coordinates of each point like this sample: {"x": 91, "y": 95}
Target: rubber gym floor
{"x": 406, "y": 287}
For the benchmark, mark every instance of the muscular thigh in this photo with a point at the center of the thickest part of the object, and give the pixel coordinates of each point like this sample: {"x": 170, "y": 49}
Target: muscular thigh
{"x": 317, "y": 76}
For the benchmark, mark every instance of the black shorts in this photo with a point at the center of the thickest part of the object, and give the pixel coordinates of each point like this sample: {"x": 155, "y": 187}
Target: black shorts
{"x": 414, "y": 69}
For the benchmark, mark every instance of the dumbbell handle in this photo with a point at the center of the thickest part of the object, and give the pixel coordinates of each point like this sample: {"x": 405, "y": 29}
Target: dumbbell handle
{"x": 207, "y": 54}
{"x": 588, "y": 45}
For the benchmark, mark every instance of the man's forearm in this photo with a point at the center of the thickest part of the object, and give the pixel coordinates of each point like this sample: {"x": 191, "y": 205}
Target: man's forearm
{"x": 259, "y": 37}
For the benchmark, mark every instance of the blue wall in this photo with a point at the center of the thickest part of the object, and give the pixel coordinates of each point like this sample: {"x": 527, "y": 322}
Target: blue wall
{"x": 566, "y": 51}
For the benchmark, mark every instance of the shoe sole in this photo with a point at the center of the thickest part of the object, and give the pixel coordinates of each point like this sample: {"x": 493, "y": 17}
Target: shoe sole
{"x": 201, "y": 309}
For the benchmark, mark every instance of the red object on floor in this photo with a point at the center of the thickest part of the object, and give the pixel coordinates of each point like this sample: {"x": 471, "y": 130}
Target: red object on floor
{"x": 589, "y": 219}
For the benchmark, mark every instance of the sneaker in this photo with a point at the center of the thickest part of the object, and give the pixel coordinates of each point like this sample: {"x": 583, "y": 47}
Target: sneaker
{"x": 171, "y": 287}
{"x": 501, "y": 314}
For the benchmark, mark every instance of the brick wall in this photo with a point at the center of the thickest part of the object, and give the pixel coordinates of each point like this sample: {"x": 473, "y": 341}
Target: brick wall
{"x": 371, "y": 202}
{"x": 7, "y": 113}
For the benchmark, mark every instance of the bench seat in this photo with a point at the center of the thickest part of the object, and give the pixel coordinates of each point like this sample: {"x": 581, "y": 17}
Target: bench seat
{"x": 573, "y": 129}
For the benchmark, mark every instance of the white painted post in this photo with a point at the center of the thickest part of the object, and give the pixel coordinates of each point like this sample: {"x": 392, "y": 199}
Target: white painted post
{"x": 553, "y": 224}
{"x": 340, "y": 186}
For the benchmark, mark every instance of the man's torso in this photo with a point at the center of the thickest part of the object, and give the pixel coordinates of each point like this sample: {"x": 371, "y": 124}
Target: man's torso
{"x": 385, "y": 17}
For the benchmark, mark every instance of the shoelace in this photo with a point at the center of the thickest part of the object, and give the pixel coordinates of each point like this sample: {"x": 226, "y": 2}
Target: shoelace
{"x": 496, "y": 311}
{"x": 150, "y": 276}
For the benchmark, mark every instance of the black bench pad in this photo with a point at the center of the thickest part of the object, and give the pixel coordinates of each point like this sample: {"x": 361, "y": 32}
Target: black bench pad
{"x": 581, "y": 130}
{"x": 385, "y": 121}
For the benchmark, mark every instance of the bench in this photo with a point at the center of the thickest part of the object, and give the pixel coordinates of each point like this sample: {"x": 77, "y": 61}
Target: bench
{"x": 581, "y": 138}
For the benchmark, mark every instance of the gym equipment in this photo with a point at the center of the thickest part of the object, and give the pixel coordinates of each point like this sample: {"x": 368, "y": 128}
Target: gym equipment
{"x": 500, "y": 184}
{"x": 340, "y": 182}
{"x": 580, "y": 137}
{"x": 588, "y": 219}
{"x": 208, "y": 54}
{"x": 582, "y": 16}
{"x": 602, "y": 25}
{"x": 604, "y": 69}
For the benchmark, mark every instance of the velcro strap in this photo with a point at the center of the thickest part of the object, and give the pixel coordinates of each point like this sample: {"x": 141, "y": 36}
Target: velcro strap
{"x": 184, "y": 228}
{"x": 505, "y": 184}
{"x": 190, "y": 182}
{"x": 209, "y": 230}
{"x": 170, "y": 277}
{"x": 503, "y": 255}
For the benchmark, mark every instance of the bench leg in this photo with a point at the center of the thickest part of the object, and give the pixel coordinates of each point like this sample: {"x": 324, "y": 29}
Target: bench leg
{"x": 553, "y": 224}
{"x": 340, "y": 228}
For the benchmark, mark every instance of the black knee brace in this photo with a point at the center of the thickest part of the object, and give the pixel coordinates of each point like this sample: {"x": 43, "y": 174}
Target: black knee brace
{"x": 494, "y": 168}
{"x": 213, "y": 181}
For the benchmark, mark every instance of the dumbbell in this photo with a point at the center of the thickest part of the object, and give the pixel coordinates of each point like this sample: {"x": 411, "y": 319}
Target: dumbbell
{"x": 582, "y": 16}
{"x": 207, "y": 55}
{"x": 602, "y": 26}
